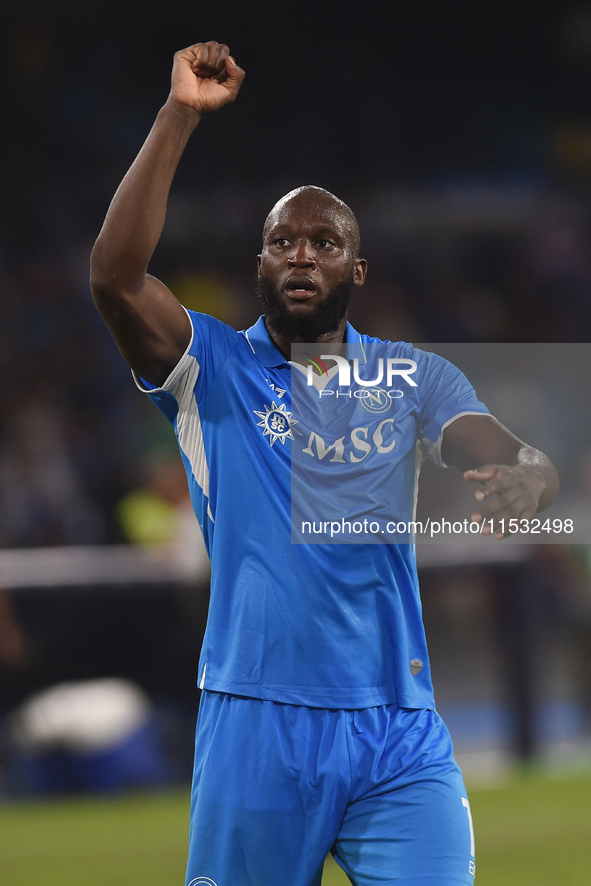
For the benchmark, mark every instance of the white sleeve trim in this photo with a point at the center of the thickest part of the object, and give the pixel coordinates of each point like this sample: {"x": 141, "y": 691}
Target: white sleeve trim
{"x": 172, "y": 380}
{"x": 181, "y": 385}
{"x": 433, "y": 450}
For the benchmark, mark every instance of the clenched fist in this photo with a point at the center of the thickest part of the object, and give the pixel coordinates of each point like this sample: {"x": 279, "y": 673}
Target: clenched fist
{"x": 205, "y": 77}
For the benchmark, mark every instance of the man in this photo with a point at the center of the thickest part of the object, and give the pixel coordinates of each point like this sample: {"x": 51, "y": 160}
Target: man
{"x": 317, "y": 727}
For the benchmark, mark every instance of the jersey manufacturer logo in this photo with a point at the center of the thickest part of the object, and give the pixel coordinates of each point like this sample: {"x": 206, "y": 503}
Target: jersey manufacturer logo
{"x": 277, "y": 423}
{"x": 375, "y": 399}
{"x": 202, "y": 881}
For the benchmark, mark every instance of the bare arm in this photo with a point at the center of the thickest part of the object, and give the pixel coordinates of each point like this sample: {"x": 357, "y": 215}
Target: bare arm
{"x": 147, "y": 322}
{"x": 517, "y": 480}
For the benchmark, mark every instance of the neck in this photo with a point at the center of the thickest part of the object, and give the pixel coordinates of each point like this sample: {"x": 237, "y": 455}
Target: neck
{"x": 328, "y": 341}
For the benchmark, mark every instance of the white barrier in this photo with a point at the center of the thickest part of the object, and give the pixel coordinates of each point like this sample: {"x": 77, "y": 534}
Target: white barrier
{"x": 94, "y": 565}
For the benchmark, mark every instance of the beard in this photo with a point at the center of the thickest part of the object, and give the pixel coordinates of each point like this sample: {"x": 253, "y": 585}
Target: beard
{"x": 307, "y": 326}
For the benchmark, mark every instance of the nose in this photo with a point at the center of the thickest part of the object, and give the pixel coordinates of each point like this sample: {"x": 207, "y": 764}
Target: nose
{"x": 302, "y": 256}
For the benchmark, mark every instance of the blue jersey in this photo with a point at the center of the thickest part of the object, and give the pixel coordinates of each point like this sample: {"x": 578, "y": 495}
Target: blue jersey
{"x": 322, "y": 625}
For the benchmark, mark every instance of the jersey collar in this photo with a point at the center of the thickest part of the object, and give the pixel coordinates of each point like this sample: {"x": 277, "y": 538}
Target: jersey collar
{"x": 269, "y": 354}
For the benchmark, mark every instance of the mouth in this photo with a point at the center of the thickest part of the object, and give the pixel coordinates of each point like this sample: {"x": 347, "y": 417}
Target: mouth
{"x": 300, "y": 288}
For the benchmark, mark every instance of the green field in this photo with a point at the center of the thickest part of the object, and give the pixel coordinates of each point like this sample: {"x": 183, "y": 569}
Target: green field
{"x": 534, "y": 830}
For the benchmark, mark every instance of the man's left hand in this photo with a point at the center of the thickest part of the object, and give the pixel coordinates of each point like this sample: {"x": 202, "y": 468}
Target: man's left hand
{"x": 510, "y": 492}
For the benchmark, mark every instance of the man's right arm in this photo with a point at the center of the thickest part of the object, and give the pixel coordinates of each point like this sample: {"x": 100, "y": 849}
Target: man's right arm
{"x": 149, "y": 325}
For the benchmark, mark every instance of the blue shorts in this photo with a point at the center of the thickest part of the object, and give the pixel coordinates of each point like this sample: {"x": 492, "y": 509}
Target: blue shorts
{"x": 277, "y": 787}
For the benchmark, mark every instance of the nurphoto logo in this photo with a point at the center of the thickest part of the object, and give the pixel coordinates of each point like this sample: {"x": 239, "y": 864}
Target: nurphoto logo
{"x": 345, "y": 370}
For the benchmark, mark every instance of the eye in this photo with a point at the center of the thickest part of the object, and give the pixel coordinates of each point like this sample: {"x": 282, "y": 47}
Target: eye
{"x": 326, "y": 244}
{"x": 280, "y": 241}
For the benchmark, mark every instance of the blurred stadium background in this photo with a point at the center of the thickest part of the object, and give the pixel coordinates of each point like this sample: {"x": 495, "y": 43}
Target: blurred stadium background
{"x": 460, "y": 134}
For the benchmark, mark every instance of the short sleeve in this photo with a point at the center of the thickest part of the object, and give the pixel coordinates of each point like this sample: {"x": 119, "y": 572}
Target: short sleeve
{"x": 211, "y": 342}
{"x": 445, "y": 394}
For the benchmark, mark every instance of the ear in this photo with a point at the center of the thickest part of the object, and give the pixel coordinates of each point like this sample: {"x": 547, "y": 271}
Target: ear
{"x": 359, "y": 271}
{"x": 259, "y": 265}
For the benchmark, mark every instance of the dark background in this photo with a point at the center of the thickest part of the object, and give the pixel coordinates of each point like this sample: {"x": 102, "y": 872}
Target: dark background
{"x": 459, "y": 133}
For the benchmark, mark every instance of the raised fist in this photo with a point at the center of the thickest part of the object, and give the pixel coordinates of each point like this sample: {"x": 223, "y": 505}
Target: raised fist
{"x": 205, "y": 77}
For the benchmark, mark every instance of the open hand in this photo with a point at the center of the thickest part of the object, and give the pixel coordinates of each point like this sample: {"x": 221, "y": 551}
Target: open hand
{"x": 205, "y": 77}
{"x": 509, "y": 492}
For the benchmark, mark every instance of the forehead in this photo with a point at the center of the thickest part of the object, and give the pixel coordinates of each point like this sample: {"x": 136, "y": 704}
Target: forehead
{"x": 307, "y": 210}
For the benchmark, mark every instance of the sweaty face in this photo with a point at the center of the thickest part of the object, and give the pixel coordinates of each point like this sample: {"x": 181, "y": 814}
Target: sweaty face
{"x": 307, "y": 268}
